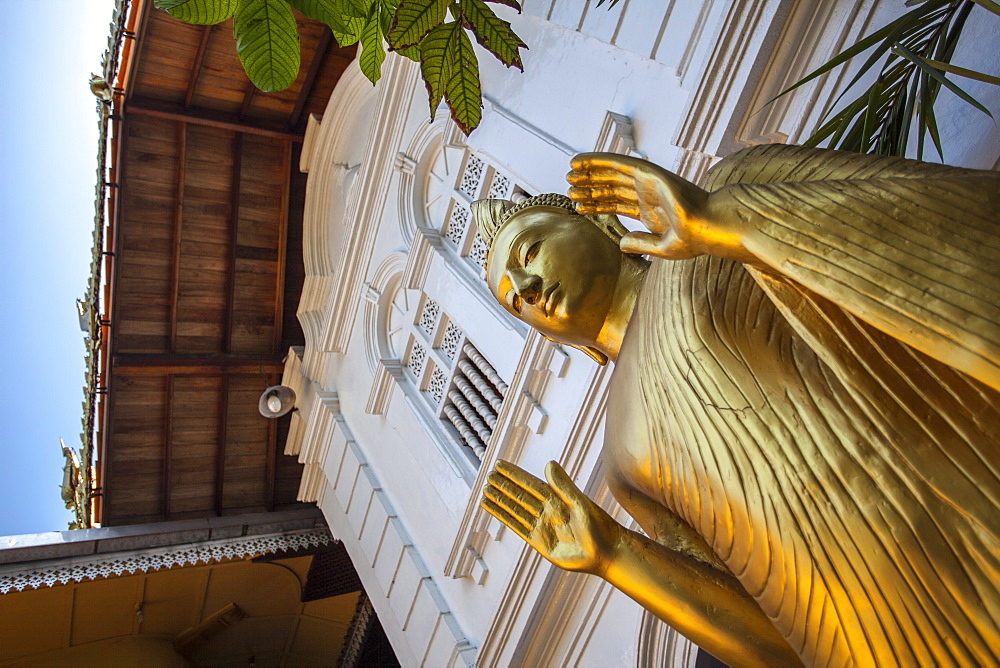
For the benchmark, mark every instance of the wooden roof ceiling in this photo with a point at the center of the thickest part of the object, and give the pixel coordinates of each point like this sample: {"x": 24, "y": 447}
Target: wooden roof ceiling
{"x": 207, "y": 271}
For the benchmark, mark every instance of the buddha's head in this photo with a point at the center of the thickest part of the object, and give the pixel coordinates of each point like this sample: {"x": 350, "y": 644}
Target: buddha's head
{"x": 553, "y": 268}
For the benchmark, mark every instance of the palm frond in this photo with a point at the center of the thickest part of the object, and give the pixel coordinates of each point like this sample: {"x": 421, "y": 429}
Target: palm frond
{"x": 912, "y": 55}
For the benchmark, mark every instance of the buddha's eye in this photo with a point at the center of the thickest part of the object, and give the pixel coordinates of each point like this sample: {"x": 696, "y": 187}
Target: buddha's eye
{"x": 532, "y": 252}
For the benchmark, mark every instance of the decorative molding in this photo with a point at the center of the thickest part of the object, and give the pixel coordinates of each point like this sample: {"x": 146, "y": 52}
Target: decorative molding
{"x": 376, "y": 294}
{"x": 309, "y": 141}
{"x": 395, "y": 91}
{"x": 79, "y": 569}
{"x": 733, "y": 62}
{"x": 325, "y": 185}
{"x": 616, "y": 136}
{"x": 693, "y": 165}
{"x": 659, "y": 645}
{"x": 420, "y": 257}
{"x": 292, "y": 377}
{"x": 425, "y": 141}
{"x": 388, "y": 373}
{"x": 814, "y": 32}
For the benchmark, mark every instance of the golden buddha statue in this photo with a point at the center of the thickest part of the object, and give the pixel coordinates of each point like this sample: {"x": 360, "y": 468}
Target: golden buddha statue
{"x": 804, "y": 415}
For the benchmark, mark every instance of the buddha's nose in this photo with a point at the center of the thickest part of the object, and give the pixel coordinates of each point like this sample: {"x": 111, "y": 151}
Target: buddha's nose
{"x": 528, "y": 286}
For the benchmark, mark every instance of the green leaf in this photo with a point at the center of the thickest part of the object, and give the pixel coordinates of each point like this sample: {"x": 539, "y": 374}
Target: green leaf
{"x": 413, "y": 20}
{"x": 202, "y": 12}
{"x": 940, "y": 78}
{"x": 492, "y": 33}
{"x": 355, "y": 26}
{"x": 961, "y": 71}
{"x": 329, "y": 12}
{"x": 435, "y": 61}
{"x": 356, "y": 8}
{"x": 372, "y": 51}
{"x": 413, "y": 53}
{"x": 267, "y": 39}
{"x": 462, "y": 90}
{"x": 989, "y": 5}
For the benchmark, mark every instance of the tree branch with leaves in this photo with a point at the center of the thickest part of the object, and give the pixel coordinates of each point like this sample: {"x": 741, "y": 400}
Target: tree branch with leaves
{"x": 435, "y": 33}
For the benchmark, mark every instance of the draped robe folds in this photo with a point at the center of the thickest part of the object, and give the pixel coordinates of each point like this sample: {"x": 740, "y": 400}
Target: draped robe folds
{"x": 849, "y": 480}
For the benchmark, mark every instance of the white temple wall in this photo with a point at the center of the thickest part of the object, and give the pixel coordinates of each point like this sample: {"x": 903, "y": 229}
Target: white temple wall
{"x": 682, "y": 83}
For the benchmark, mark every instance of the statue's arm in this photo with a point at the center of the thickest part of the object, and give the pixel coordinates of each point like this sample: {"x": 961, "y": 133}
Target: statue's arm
{"x": 700, "y": 601}
{"x": 916, "y": 257}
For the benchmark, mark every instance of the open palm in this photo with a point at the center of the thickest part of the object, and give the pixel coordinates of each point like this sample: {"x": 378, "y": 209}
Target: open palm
{"x": 555, "y": 518}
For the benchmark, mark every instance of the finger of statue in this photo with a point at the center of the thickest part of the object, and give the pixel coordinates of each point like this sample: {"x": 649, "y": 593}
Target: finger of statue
{"x": 561, "y": 483}
{"x": 511, "y": 505}
{"x": 622, "y": 209}
{"x": 509, "y": 520}
{"x": 607, "y": 194}
{"x": 514, "y": 494}
{"x": 523, "y": 479}
{"x": 611, "y": 161}
{"x": 599, "y": 176}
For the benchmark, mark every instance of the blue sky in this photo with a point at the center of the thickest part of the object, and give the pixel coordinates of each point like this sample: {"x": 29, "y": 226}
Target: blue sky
{"x": 48, "y": 145}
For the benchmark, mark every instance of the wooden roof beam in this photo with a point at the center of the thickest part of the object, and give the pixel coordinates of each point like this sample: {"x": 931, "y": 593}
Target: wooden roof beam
{"x": 155, "y": 110}
{"x": 247, "y": 100}
{"x": 141, "y": 364}
{"x": 279, "y": 297}
{"x": 175, "y": 278}
{"x": 234, "y": 223}
{"x": 199, "y": 58}
{"x": 307, "y": 85}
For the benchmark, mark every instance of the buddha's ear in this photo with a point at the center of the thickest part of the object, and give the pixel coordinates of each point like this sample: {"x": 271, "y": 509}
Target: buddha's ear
{"x": 592, "y": 353}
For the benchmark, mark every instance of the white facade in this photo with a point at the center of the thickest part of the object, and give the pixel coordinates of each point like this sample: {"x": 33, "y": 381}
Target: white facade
{"x": 400, "y": 329}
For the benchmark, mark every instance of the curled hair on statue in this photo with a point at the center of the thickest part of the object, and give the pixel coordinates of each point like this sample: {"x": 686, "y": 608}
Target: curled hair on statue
{"x": 492, "y": 214}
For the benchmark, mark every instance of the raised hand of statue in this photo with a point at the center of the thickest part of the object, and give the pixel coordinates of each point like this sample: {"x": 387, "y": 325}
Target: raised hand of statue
{"x": 675, "y": 211}
{"x": 555, "y": 518}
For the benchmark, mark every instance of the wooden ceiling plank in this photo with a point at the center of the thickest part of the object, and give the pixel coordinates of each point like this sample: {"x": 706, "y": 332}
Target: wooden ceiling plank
{"x": 168, "y": 436}
{"x": 175, "y": 277}
{"x": 199, "y": 58}
{"x": 307, "y": 85}
{"x": 279, "y": 297}
{"x": 234, "y": 224}
{"x": 155, "y": 110}
{"x": 220, "y": 453}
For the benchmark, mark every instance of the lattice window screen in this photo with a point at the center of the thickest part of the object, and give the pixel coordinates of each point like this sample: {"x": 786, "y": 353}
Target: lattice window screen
{"x": 474, "y": 400}
{"x": 478, "y": 179}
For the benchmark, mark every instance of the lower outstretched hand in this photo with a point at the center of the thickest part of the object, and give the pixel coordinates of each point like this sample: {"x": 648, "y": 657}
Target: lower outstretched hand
{"x": 555, "y": 518}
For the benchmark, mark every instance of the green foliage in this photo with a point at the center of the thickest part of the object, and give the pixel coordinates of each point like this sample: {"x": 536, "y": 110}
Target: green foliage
{"x": 493, "y": 34}
{"x": 915, "y": 52}
{"x": 324, "y": 11}
{"x": 268, "y": 42}
{"x": 202, "y": 12}
{"x": 267, "y": 39}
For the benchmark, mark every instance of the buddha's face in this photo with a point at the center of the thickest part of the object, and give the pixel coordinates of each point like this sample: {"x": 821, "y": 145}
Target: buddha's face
{"x": 555, "y": 271}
